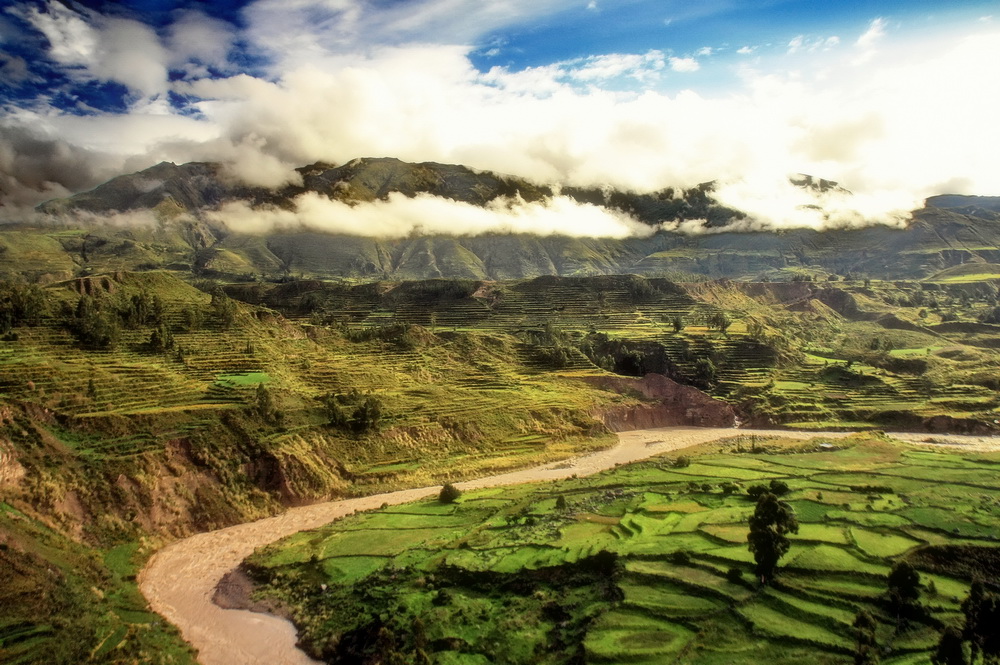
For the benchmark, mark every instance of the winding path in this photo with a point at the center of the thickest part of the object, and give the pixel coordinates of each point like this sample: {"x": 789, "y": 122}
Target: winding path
{"x": 179, "y": 580}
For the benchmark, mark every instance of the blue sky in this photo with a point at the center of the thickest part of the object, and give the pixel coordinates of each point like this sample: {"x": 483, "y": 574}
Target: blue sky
{"x": 630, "y": 93}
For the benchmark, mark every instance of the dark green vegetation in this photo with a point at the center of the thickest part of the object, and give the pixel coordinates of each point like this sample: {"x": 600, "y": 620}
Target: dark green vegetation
{"x": 649, "y": 563}
{"x": 66, "y": 602}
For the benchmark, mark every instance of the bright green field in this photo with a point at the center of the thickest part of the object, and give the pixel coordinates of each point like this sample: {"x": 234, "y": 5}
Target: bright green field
{"x": 639, "y": 565}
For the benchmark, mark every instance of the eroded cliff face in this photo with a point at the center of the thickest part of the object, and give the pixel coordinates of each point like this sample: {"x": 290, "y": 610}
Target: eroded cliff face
{"x": 667, "y": 404}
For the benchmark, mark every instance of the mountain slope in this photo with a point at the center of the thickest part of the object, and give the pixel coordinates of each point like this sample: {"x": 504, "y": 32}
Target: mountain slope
{"x": 948, "y": 231}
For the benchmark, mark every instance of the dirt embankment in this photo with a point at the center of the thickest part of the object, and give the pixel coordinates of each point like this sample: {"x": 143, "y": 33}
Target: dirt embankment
{"x": 669, "y": 404}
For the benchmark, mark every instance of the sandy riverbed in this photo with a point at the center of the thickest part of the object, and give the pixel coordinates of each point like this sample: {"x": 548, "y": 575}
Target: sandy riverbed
{"x": 180, "y": 579}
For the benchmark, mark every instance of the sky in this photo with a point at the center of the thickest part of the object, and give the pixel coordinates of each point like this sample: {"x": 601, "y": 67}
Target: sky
{"x": 894, "y": 99}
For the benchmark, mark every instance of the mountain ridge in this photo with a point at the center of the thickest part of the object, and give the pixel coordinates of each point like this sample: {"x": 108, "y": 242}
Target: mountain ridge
{"x": 950, "y": 230}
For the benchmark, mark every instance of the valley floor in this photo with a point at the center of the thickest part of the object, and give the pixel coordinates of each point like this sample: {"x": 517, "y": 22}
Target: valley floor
{"x": 180, "y": 580}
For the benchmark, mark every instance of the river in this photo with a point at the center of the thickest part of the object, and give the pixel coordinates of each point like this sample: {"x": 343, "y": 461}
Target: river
{"x": 179, "y": 580}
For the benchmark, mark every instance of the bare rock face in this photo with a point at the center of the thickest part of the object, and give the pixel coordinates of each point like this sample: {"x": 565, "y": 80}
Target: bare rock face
{"x": 668, "y": 404}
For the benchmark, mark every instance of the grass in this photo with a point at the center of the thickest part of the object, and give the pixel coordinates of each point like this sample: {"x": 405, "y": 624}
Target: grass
{"x": 499, "y": 545}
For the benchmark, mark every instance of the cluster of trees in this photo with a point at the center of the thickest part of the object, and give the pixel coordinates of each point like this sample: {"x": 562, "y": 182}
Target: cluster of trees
{"x": 720, "y": 321}
{"x": 97, "y": 321}
{"x": 21, "y": 305}
{"x": 94, "y": 322}
{"x": 400, "y": 335}
{"x": 354, "y": 412}
{"x": 980, "y": 613}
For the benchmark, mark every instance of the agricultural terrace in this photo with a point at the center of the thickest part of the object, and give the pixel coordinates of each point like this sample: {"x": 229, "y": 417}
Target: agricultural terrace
{"x": 648, "y": 563}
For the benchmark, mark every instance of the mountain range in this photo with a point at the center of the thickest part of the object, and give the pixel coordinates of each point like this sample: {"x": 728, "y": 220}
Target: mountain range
{"x": 949, "y": 232}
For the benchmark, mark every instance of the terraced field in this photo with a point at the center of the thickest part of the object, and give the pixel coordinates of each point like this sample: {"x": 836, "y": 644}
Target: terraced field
{"x": 647, "y": 563}
{"x": 794, "y": 358}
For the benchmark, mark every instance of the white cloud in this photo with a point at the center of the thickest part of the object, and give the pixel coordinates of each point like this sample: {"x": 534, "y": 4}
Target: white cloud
{"x": 301, "y": 31}
{"x": 195, "y": 38}
{"x": 801, "y": 43}
{"x": 684, "y": 64}
{"x": 874, "y": 33}
{"x": 106, "y": 49}
{"x": 875, "y": 129}
{"x": 867, "y": 43}
{"x": 746, "y": 50}
{"x": 399, "y": 216}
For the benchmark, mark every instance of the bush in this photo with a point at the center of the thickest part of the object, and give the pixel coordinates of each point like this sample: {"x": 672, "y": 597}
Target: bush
{"x": 734, "y": 575}
{"x": 449, "y": 493}
{"x": 680, "y": 558}
{"x": 779, "y": 487}
{"x": 682, "y": 462}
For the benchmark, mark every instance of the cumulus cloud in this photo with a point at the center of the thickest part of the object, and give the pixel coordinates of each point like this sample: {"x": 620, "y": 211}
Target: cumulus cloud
{"x": 105, "y": 49}
{"x": 684, "y": 64}
{"x": 196, "y": 41}
{"x": 400, "y": 216}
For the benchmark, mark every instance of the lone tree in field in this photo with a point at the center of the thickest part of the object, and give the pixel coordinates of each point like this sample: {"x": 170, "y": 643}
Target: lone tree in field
{"x": 904, "y": 591}
{"x": 449, "y": 493}
{"x": 768, "y": 542}
{"x": 982, "y": 616}
{"x": 972, "y": 608}
{"x": 949, "y": 649}
{"x": 865, "y": 647}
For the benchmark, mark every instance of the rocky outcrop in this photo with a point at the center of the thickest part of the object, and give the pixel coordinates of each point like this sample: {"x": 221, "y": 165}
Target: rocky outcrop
{"x": 666, "y": 403}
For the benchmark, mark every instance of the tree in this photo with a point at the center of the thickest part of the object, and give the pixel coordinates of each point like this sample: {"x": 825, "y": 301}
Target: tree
{"x": 865, "y": 647}
{"x": 972, "y": 608}
{"x": 449, "y": 493}
{"x": 720, "y": 321}
{"x": 266, "y": 407}
{"x": 705, "y": 372}
{"x": 949, "y": 649}
{"x": 904, "y": 590}
{"x": 160, "y": 340}
{"x": 778, "y": 487}
{"x": 678, "y": 324}
{"x": 768, "y": 542}
{"x": 93, "y": 325}
{"x": 223, "y": 309}
{"x": 368, "y": 416}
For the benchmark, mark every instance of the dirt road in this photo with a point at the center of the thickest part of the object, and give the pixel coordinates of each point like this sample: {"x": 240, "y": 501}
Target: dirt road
{"x": 180, "y": 579}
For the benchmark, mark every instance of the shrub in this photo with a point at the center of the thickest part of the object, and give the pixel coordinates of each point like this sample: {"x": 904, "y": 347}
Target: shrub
{"x": 682, "y": 462}
{"x": 680, "y": 558}
{"x": 449, "y": 493}
{"x": 779, "y": 488}
{"x": 734, "y": 575}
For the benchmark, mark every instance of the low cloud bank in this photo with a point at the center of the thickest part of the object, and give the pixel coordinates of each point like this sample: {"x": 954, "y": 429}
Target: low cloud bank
{"x": 399, "y": 216}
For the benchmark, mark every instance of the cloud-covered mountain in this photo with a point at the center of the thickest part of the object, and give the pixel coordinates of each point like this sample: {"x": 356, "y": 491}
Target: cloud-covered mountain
{"x": 382, "y": 218}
